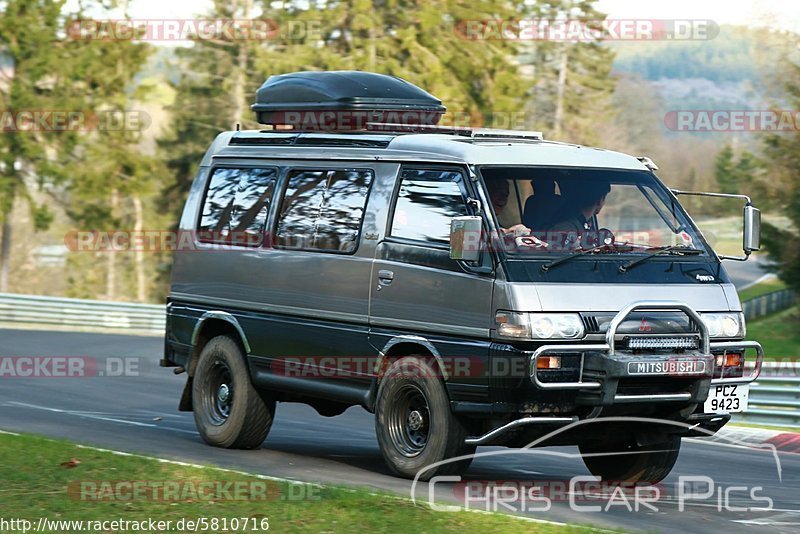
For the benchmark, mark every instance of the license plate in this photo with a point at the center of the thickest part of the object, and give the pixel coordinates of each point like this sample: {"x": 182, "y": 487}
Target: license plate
{"x": 727, "y": 398}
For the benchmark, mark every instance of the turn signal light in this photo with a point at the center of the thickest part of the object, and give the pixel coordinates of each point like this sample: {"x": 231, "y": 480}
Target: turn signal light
{"x": 729, "y": 359}
{"x": 548, "y": 362}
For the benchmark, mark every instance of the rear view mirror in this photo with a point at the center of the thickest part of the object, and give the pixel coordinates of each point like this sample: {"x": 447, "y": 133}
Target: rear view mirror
{"x": 465, "y": 238}
{"x": 752, "y": 229}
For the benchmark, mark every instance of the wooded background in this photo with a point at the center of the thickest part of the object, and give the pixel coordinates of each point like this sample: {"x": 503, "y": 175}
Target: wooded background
{"x": 613, "y": 94}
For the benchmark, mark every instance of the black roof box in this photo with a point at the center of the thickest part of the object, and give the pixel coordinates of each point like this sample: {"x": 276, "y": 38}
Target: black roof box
{"x": 343, "y": 100}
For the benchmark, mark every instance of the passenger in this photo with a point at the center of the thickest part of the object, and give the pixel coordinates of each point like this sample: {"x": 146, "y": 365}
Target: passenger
{"x": 498, "y": 193}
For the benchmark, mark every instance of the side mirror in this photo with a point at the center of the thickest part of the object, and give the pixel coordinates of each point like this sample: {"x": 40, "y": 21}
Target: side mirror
{"x": 465, "y": 238}
{"x": 751, "y": 236}
{"x": 752, "y": 229}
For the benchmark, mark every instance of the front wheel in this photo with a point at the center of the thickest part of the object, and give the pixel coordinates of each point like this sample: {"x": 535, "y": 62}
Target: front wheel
{"x": 228, "y": 411}
{"x": 630, "y": 463}
{"x": 414, "y": 424}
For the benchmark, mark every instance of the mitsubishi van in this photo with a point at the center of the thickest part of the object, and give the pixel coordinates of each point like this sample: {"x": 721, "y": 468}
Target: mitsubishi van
{"x": 468, "y": 287}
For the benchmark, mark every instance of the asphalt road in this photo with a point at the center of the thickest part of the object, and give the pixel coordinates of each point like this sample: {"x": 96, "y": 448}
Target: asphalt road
{"x": 138, "y": 414}
{"x": 743, "y": 273}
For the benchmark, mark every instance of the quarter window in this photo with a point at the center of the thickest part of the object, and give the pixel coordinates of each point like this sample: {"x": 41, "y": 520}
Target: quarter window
{"x": 323, "y": 209}
{"x": 426, "y": 202}
{"x": 236, "y": 206}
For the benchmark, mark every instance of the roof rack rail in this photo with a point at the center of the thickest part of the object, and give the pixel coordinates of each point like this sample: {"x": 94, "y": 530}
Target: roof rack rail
{"x": 474, "y": 133}
{"x": 507, "y": 134}
{"x": 319, "y": 139}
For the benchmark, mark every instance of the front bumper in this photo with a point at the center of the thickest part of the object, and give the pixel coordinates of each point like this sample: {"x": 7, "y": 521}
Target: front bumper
{"x": 607, "y": 376}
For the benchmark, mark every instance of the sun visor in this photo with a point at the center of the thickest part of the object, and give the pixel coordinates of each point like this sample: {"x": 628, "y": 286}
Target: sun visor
{"x": 344, "y": 101}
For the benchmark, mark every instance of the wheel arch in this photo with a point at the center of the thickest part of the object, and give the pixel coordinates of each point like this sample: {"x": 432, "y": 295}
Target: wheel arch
{"x": 396, "y": 348}
{"x": 210, "y": 325}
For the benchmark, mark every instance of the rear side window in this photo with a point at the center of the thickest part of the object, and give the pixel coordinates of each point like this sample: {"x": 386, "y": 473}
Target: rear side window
{"x": 426, "y": 202}
{"x": 322, "y": 210}
{"x": 236, "y": 206}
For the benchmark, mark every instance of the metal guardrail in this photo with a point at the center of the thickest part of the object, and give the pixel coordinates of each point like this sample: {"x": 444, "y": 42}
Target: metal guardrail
{"x": 775, "y": 396}
{"x": 123, "y": 316}
{"x": 768, "y": 303}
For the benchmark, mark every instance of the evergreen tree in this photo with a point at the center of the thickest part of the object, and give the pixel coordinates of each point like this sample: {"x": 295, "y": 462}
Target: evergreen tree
{"x": 109, "y": 173}
{"x": 731, "y": 172}
{"x": 573, "y": 84}
{"x": 36, "y": 75}
{"x": 53, "y": 70}
{"x": 421, "y": 42}
{"x": 782, "y": 155}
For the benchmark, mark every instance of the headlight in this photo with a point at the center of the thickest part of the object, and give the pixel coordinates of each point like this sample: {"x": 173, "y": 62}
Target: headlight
{"x": 539, "y": 325}
{"x": 724, "y": 324}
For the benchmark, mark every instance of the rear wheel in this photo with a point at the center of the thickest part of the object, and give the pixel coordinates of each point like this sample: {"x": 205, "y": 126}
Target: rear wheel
{"x": 228, "y": 411}
{"x": 414, "y": 424}
{"x": 628, "y": 462}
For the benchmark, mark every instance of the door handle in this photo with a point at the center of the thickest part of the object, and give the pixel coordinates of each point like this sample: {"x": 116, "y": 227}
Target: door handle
{"x": 385, "y": 277}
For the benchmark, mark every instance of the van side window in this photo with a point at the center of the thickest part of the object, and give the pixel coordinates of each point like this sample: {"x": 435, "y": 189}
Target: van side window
{"x": 427, "y": 200}
{"x": 236, "y": 206}
{"x": 323, "y": 210}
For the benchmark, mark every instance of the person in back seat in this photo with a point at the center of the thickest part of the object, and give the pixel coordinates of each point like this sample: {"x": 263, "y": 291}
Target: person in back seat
{"x": 542, "y": 206}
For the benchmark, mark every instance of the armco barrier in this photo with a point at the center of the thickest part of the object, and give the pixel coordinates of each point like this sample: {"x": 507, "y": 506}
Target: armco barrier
{"x": 775, "y": 396}
{"x": 38, "y": 310}
{"x": 768, "y": 303}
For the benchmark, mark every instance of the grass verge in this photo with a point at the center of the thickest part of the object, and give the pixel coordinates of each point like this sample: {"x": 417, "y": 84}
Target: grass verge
{"x": 62, "y": 481}
{"x": 763, "y": 288}
{"x": 778, "y": 333}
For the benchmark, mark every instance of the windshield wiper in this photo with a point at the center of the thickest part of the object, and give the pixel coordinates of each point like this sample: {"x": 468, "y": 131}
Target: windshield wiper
{"x": 580, "y": 252}
{"x": 660, "y": 251}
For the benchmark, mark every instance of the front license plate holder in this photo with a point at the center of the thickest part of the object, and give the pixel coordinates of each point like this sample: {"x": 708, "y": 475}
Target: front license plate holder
{"x": 727, "y": 398}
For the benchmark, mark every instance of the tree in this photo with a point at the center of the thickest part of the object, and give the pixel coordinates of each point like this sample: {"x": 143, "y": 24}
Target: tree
{"x": 732, "y": 172}
{"x": 782, "y": 155}
{"x": 53, "y": 73}
{"x": 39, "y": 77}
{"x": 110, "y": 173}
{"x": 421, "y": 42}
{"x": 573, "y": 81}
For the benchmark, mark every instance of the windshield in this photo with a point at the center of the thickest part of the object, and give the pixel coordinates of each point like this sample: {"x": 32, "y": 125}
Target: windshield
{"x": 557, "y": 211}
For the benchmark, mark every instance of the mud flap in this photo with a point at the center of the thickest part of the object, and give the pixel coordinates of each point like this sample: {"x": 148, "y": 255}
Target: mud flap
{"x": 186, "y": 397}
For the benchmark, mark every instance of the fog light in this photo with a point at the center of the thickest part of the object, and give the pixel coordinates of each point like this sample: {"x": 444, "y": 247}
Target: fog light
{"x": 548, "y": 362}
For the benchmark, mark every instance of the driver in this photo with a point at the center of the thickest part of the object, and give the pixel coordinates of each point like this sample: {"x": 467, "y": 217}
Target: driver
{"x": 584, "y": 203}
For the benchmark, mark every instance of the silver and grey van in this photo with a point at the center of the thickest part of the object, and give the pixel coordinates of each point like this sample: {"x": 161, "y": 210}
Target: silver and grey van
{"x": 468, "y": 287}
